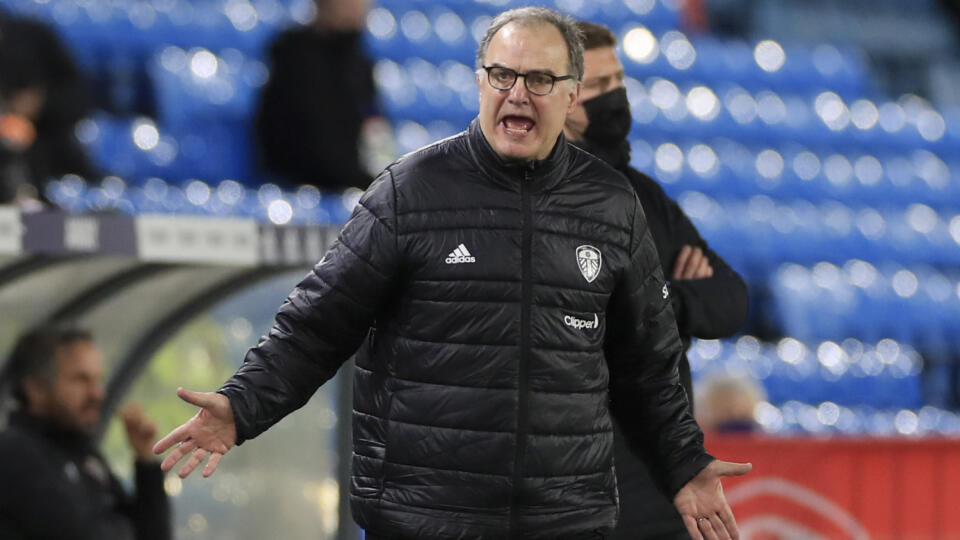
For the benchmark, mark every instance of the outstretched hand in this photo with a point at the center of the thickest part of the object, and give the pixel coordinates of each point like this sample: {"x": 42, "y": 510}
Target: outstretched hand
{"x": 702, "y": 505}
{"x": 211, "y": 432}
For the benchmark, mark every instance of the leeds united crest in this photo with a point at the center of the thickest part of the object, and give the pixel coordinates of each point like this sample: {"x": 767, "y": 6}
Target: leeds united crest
{"x": 589, "y": 260}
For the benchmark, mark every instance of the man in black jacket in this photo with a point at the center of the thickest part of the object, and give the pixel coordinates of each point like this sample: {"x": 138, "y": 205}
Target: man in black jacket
{"x": 512, "y": 285}
{"x": 301, "y": 138}
{"x": 708, "y": 298}
{"x": 55, "y": 484}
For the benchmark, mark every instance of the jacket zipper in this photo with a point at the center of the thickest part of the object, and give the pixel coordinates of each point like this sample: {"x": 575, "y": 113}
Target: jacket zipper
{"x": 523, "y": 369}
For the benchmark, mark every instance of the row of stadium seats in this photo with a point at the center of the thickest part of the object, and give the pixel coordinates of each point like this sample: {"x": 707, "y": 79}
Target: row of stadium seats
{"x": 195, "y": 86}
{"x": 227, "y": 198}
{"x": 726, "y": 168}
{"x": 829, "y": 309}
{"x": 916, "y": 304}
{"x": 422, "y": 91}
{"x": 884, "y": 374}
{"x": 837, "y": 388}
{"x": 726, "y": 212}
{"x": 756, "y": 234}
{"x": 136, "y": 27}
{"x": 138, "y": 148}
{"x": 829, "y": 419}
{"x": 440, "y": 34}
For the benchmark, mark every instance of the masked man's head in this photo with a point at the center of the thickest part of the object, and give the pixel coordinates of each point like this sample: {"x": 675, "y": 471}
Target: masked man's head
{"x": 601, "y": 117}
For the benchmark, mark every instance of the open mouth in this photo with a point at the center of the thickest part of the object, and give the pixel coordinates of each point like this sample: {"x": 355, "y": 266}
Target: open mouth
{"x": 517, "y": 125}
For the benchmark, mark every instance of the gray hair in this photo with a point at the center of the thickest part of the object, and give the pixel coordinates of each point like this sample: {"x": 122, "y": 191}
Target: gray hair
{"x": 531, "y": 16}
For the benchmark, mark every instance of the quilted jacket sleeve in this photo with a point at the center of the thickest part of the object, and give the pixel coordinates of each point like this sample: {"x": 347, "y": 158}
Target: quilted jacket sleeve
{"x": 643, "y": 349}
{"x": 711, "y": 308}
{"x": 323, "y": 321}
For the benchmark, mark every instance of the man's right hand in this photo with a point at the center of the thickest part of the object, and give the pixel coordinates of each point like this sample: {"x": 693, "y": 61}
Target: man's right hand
{"x": 691, "y": 263}
{"x": 211, "y": 432}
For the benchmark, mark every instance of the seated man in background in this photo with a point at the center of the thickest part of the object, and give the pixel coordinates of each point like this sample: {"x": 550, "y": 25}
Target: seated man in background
{"x": 55, "y": 484}
{"x": 313, "y": 109}
{"x": 41, "y": 99}
{"x": 708, "y": 298}
{"x": 728, "y": 404}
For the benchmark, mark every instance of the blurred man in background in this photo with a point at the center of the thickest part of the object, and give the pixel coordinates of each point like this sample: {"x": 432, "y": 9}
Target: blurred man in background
{"x": 54, "y": 484}
{"x": 708, "y": 298}
{"x": 319, "y": 96}
{"x": 728, "y": 404}
{"x": 42, "y": 96}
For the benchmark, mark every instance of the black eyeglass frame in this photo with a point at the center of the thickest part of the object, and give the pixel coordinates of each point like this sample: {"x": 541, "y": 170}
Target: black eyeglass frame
{"x": 526, "y": 81}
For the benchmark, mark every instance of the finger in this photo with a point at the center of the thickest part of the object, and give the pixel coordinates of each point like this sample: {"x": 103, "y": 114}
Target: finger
{"x": 706, "y": 527}
{"x": 129, "y": 415}
{"x": 726, "y": 516}
{"x": 691, "y": 524}
{"x": 200, "y": 399}
{"x": 131, "y": 407}
{"x": 148, "y": 429}
{"x": 680, "y": 265}
{"x": 196, "y": 459}
{"x": 693, "y": 263}
{"x": 718, "y": 527}
{"x": 171, "y": 460}
{"x": 212, "y": 464}
{"x": 725, "y": 468}
{"x": 703, "y": 269}
{"x": 178, "y": 435}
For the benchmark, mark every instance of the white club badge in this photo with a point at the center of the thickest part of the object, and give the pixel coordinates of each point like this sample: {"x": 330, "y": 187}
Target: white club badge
{"x": 589, "y": 261}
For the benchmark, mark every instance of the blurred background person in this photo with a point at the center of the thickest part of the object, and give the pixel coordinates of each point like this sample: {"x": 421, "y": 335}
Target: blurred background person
{"x": 320, "y": 94}
{"x": 708, "y": 297}
{"x": 727, "y": 404}
{"x": 55, "y": 482}
{"x": 42, "y": 96}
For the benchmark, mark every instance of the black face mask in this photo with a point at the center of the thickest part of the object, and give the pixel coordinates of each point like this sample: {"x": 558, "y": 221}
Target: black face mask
{"x": 608, "y": 117}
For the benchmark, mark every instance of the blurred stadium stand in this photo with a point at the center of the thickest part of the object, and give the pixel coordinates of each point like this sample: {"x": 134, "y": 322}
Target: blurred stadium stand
{"x": 797, "y": 157}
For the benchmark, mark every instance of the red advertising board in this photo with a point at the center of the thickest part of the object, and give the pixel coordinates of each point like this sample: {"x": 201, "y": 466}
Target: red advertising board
{"x": 844, "y": 489}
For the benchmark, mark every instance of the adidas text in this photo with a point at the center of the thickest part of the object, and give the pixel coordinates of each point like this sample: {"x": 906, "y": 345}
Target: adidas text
{"x": 460, "y": 259}
{"x": 460, "y": 255}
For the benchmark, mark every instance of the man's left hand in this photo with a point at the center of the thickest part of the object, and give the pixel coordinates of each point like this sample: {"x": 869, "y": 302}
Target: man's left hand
{"x": 141, "y": 430}
{"x": 691, "y": 263}
{"x": 702, "y": 505}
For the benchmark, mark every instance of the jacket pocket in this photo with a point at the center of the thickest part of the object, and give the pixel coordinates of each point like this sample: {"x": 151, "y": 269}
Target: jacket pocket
{"x": 369, "y": 453}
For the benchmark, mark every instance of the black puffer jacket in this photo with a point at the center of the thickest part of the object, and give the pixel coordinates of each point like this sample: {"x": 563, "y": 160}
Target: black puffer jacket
{"x": 508, "y": 301}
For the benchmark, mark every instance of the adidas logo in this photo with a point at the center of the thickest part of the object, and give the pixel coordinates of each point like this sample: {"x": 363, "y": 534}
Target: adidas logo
{"x": 460, "y": 255}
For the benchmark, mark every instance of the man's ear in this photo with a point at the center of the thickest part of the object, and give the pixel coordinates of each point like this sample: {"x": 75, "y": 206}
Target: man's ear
{"x": 574, "y": 98}
{"x": 479, "y": 82}
{"x": 37, "y": 393}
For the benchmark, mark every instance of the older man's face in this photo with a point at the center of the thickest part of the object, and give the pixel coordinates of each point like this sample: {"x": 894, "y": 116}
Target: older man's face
{"x": 520, "y": 125}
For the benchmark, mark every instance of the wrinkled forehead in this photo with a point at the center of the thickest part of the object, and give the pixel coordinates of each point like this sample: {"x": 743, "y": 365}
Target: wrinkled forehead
{"x": 526, "y": 46}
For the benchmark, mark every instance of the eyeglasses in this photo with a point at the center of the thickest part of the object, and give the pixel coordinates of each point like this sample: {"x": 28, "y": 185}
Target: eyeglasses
{"x": 537, "y": 82}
